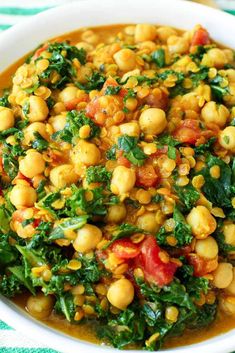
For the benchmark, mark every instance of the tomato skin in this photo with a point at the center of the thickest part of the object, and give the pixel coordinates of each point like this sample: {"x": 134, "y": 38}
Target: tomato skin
{"x": 188, "y": 131}
{"x": 112, "y": 82}
{"x": 157, "y": 102}
{"x": 125, "y": 249}
{"x": 39, "y": 51}
{"x": 146, "y": 176}
{"x": 155, "y": 270}
{"x": 200, "y": 37}
{"x": 70, "y": 105}
{"x": 123, "y": 161}
{"x": 202, "y": 266}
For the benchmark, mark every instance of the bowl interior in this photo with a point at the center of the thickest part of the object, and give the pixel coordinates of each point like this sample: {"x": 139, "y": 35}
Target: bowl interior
{"x": 24, "y": 37}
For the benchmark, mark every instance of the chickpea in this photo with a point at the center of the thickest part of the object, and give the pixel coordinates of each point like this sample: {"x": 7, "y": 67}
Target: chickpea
{"x": 121, "y": 293}
{"x": 116, "y": 213}
{"x": 123, "y": 180}
{"x": 145, "y": 32}
{"x": 38, "y": 127}
{"x": 63, "y": 175}
{"x": 229, "y": 99}
{"x": 230, "y": 73}
{"x": 227, "y": 304}
{"x": 217, "y": 58}
{"x": 207, "y": 248}
{"x": 231, "y": 288}
{"x": 201, "y": 221}
{"x": 223, "y": 275}
{"x": 7, "y": 119}
{"x": 148, "y": 222}
{"x": 58, "y": 122}
{"x": 86, "y": 153}
{"x": 23, "y": 196}
{"x": 86, "y": 46}
{"x": 38, "y": 110}
{"x": 68, "y": 93}
{"x": 164, "y": 33}
{"x": 177, "y": 45}
{"x": 87, "y": 238}
{"x": 32, "y": 164}
{"x": 229, "y": 234}
{"x": 215, "y": 113}
{"x": 125, "y": 59}
{"x": 153, "y": 121}
{"x": 227, "y": 138}
{"x": 40, "y": 306}
{"x": 190, "y": 101}
{"x": 131, "y": 129}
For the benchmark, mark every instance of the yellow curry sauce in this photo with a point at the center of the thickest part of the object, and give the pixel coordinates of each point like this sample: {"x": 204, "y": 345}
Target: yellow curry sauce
{"x": 123, "y": 199}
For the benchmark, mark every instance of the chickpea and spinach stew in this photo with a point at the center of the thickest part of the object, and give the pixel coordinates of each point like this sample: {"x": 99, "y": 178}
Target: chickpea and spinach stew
{"x": 118, "y": 183}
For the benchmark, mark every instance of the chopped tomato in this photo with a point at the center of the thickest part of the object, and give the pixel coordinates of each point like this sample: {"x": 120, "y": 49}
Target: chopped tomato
{"x": 202, "y": 266}
{"x": 155, "y": 270}
{"x": 188, "y": 131}
{"x": 125, "y": 249}
{"x": 146, "y": 176}
{"x": 21, "y": 176}
{"x": 112, "y": 82}
{"x": 156, "y": 101}
{"x": 200, "y": 37}
{"x": 121, "y": 160}
{"x": 39, "y": 51}
{"x": 70, "y": 105}
{"x": 93, "y": 107}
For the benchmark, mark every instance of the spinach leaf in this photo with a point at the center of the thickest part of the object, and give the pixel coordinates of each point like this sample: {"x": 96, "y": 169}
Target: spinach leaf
{"x": 74, "y": 121}
{"x": 132, "y": 151}
{"x": 65, "y": 305}
{"x": 19, "y": 273}
{"x": 124, "y": 230}
{"x": 182, "y": 231}
{"x": 4, "y": 100}
{"x": 98, "y": 174}
{"x": 95, "y": 81}
{"x": 217, "y": 191}
{"x": 62, "y": 64}
{"x": 111, "y": 153}
{"x": 69, "y": 224}
{"x": 39, "y": 143}
{"x": 112, "y": 90}
{"x": 205, "y": 147}
{"x": 10, "y": 285}
{"x": 218, "y": 92}
{"x": 188, "y": 195}
{"x": 158, "y": 57}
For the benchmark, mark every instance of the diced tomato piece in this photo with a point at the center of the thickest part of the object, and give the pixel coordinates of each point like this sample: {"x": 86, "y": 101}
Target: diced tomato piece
{"x": 109, "y": 82}
{"x": 70, "y": 105}
{"x": 188, "y": 131}
{"x": 21, "y": 176}
{"x": 39, "y": 51}
{"x": 146, "y": 176}
{"x": 125, "y": 249}
{"x": 201, "y": 37}
{"x": 155, "y": 270}
{"x": 92, "y": 108}
{"x": 123, "y": 161}
{"x": 112, "y": 82}
{"x": 155, "y": 101}
{"x": 202, "y": 266}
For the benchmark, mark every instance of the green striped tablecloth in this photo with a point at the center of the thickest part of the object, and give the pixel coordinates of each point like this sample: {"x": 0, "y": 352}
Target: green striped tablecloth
{"x": 12, "y": 12}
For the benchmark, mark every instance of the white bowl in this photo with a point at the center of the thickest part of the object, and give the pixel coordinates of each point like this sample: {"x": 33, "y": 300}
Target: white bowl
{"x": 22, "y": 38}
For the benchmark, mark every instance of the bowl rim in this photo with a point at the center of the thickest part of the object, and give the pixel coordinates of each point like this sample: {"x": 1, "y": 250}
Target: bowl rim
{"x": 10, "y": 313}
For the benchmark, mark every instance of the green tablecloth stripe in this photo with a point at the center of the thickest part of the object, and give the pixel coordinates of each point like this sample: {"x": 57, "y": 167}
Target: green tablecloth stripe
{"x": 4, "y": 326}
{"x": 4, "y": 26}
{"x": 26, "y": 350}
{"x": 232, "y": 12}
{"x": 18, "y": 11}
